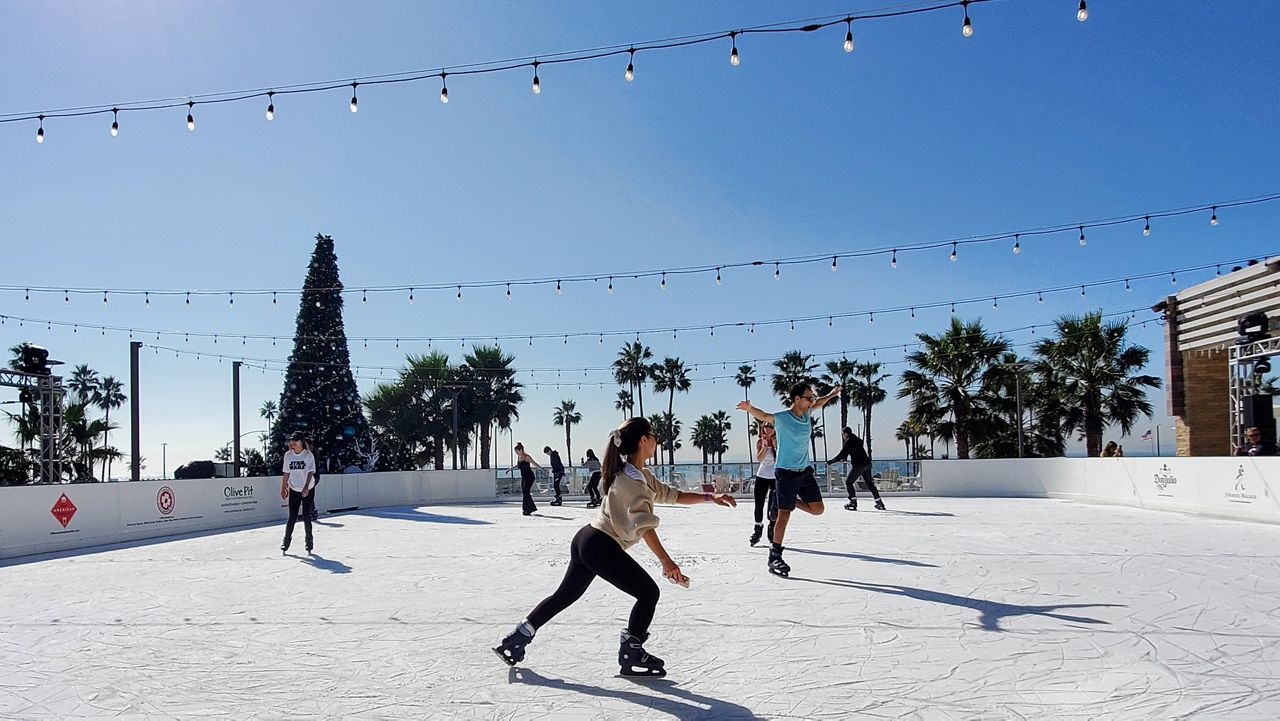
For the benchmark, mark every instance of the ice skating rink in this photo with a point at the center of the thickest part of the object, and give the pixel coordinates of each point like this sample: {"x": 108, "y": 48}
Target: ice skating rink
{"x": 936, "y": 609}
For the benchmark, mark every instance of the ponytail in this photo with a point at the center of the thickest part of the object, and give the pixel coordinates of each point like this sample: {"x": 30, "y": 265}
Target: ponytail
{"x": 623, "y": 441}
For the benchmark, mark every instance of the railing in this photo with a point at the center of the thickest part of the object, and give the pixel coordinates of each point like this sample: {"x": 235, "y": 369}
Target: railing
{"x": 722, "y": 478}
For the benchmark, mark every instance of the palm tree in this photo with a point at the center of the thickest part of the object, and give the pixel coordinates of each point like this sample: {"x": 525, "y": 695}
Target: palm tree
{"x": 666, "y": 428}
{"x": 794, "y": 367}
{"x": 816, "y": 431}
{"x": 566, "y": 415}
{"x": 948, "y": 377}
{"x": 746, "y": 378}
{"x": 110, "y": 395}
{"x": 423, "y": 378}
{"x": 632, "y": 368}
{"x": 84, "y": 383}
{"x": 624, "y": 403}
{"x": 268, "y": 412}
{"x": 702, "y": 437}
{"x": 867, "y": 393}
{"x": 496, "y": 392}
{"x": 1098, "y": 376}
{"x": 841, "y": 373}
{"x": 668, "y": 377}
{"x": 722, "y": 425}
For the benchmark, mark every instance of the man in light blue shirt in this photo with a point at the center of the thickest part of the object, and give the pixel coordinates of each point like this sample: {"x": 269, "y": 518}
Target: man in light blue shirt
{"x": 797, "y": 487}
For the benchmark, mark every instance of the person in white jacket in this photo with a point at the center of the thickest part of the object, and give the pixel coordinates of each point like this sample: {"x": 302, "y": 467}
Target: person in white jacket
{"x": 296, "y": 485}
{"x": 600, "y": 549}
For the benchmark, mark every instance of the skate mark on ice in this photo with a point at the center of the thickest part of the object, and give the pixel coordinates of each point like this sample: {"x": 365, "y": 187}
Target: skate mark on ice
{"x": 938, "y": 514}
{"x": 990, "y": 612}
{"x": 680, "y": 703}
{"x": 861, "y": 557}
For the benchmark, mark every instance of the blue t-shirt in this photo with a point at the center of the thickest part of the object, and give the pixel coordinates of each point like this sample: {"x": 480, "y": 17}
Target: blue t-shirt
{"x": 793, "y": 440}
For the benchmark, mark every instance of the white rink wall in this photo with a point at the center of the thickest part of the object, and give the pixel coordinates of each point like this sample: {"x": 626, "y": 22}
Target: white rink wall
{"x": 1245, "y": 489}
{"x": 32, "y": 517}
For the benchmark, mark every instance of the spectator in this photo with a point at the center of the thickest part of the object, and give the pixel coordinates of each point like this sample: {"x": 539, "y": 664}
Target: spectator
{"x": 1254, "y": 445}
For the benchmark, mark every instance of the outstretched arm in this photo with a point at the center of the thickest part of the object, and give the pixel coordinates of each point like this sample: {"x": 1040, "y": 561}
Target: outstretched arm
{"x": 756, "y": 413}
{"x": 834, "y": 394}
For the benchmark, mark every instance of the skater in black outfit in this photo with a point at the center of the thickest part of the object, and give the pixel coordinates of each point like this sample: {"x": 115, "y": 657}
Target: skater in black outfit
{"x": 861, "y": 466}
{"x": 525, "y": 463}
{"x": 766, "y": 454}
{"x": 557, "y": 473}
{"x": 600, "y": 549}
{"x": 296, "y": 485}
{"x": 592, "y": 464}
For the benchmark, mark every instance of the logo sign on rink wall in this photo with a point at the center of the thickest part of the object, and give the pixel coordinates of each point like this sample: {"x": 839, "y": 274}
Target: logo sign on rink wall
{"x": 1244, "y": 488}
{"x": 63, "y": 510}
{"x": 165, "y": 500}
{"x": 238, "y": 499}
{"x": 1164, "y": 478}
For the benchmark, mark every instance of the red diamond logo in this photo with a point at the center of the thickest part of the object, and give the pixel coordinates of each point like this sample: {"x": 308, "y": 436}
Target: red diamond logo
{"x": 63, "y": 510}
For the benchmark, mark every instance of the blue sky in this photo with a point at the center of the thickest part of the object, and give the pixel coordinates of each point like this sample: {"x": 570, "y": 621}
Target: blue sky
{"x": 920, "y": 134}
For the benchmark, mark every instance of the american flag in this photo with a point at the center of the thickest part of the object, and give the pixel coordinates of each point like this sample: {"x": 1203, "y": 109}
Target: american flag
{"x": 1146, "y": 436}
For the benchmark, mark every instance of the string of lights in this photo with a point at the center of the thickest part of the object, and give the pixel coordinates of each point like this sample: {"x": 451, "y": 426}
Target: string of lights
{"x": 533, "y": 63}
{"x": 281, "y": 366}
{"x": 1076, "y": 230}
{"x": 599, "y": 335}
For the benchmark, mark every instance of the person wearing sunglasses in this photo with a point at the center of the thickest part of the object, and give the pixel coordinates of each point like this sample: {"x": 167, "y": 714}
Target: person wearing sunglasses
{"x": 796, "y": 486}
{"x": 1255, "y": 445}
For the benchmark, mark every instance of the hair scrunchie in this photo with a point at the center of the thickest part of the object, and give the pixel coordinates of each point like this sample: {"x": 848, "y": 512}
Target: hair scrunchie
{"x": 616, "y": 438}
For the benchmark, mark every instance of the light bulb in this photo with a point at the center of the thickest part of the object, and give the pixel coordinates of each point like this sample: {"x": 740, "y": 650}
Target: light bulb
{"x": 1017, "y": 245}
{"x": 733, "y": 56}
{"x": 354, "y": 104}
{"x": 1127, "y": 288}
{"x": 968, "y": 26}
{"x": 1083, "y": 13}
{"x": 663, "y": 284}
{"x": 848, "y": 37}
{"x": 115, "y": 122}
{"x": 718, "y": 280}
{"x": 1213, "y": 220}
{"x": 1082, "y": 295}
{"x": 1146, "y": 228}
{"x": 776, "y": 272}
{"x": 1082, "y": 240}
{"x": 631, "y": 66}
{"x": 953, "y": 252}
{"x": 191, "y": 118}
{"x": 40, "y": 131}
{"x": 459, "y": 294}
{"x": 537, "y": 84}
{"x": 271, "y": 106}
{"x": 610, "y": 285}
{"x": 893, "y": 260}
{"x": 558, "y": 291}
{"x": 833, "y": 264}
{"x": 995, "y": 302}
{"x": 444, "y": 90}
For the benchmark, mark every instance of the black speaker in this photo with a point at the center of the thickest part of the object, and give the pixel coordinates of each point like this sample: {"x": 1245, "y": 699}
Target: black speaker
{"x": 1257, "y": 412}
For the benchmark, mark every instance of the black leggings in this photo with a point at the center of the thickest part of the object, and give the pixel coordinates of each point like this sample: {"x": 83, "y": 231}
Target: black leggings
{"x": 307, "y": 505}
{"x": 593, "y": 486}
{"x": 594, "y": 553}
{"x": 851, "y": 482}
{"x": 763, "y": 486}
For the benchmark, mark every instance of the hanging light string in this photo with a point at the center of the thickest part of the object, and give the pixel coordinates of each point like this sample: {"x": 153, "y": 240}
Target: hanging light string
{"x": 276, "y": 365}
{"x": 494, "y": 66}
{"x": 1074, "y": 228}
{"x": 600, "y": 335}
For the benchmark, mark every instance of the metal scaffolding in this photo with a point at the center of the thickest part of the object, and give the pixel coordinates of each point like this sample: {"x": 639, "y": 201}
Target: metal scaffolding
{"x": 1244, "y": 380}
{"x": 47, "y": 393}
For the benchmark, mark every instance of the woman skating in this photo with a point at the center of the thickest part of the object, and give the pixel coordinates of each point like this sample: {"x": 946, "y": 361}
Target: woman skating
{"x": 766, "y": 454}
{"x": 600, "y": 549}
{"x": 525, "y": 463}
{"x": 296, "y": 485}
{"x": 592, "y": 465}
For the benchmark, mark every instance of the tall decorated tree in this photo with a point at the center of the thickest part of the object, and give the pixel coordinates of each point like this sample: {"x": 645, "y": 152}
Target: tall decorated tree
{"x": 320, "y": 396}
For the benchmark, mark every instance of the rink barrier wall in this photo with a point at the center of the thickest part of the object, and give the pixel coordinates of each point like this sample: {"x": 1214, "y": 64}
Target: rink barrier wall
{"x": 1246, "y": 489}
{"x": 38, "y": 519}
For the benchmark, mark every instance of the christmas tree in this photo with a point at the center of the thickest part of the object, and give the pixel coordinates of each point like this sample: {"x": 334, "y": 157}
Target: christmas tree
{"x": 320, "y": 396}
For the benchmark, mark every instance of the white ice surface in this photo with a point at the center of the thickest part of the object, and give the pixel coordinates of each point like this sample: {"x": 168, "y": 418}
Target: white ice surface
{"x": 937, "y": 609}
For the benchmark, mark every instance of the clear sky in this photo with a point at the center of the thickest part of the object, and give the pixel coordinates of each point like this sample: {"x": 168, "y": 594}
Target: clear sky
{"x": 919, "y": 134}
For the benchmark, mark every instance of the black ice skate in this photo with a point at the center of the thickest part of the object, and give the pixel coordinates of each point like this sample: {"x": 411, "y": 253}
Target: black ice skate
{"x": 511, "y": 650}
{"x": 755, "y": 534}
{"x": 310, "y": 545}
{"x": 635, "y": 661}
{"x": 852, "y": 505}
{"x": 556, "y": 502}
{"x": 284, "y": 547}
{"x": 777, "y": 566}
{"x": 879, "y": 505}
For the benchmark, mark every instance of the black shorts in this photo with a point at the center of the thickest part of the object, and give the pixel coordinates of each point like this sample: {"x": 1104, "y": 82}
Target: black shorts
{"x": 796, "y": 484}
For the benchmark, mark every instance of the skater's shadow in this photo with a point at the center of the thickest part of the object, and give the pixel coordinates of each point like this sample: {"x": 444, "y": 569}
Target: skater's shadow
{"x": 325, "y": 564}
{"x": 989, "y": 612}
{"x": 678, "y": 702}
{"x": 413, "y": 514}
{"x": 861, "y": 557}
{"x": 327, "y": 524}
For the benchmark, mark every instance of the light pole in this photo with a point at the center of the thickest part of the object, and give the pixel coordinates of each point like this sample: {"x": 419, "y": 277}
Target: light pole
{"x": 1017, "y": 367}
{"x": 164, "y": 461}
